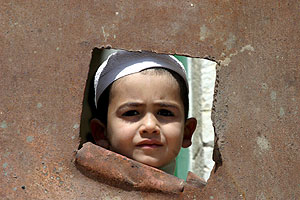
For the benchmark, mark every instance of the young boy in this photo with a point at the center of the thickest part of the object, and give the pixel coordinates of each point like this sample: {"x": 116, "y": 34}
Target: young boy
{"x": 142, "y": 107}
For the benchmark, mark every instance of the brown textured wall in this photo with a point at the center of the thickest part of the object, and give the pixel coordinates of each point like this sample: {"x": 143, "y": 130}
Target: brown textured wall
{"x": 45, "y": 53}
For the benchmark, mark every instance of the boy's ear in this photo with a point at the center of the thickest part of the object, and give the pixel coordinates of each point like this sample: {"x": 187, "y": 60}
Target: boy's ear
{"x": 99, "y": 133}
{"x": 190, "y": 126}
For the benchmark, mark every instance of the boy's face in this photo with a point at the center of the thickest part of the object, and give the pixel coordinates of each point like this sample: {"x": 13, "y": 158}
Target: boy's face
{"x": 145, "y": 119}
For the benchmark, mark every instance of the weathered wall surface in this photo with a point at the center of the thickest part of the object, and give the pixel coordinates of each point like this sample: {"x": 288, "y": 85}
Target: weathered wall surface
{"x": 45, "y": 53}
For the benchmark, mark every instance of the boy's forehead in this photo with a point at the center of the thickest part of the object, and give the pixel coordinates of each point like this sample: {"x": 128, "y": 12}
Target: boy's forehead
{"x": 135, "y": 85}
{"x": 148, "y": 74}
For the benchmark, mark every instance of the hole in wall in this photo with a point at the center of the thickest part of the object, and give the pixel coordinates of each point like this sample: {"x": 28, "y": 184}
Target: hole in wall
{"x": 201, "y": 76}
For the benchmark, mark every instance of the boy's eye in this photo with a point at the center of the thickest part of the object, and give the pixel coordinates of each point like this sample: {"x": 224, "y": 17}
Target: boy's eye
{"x": 165, "y": 113}
{"x": 130, "y": 113}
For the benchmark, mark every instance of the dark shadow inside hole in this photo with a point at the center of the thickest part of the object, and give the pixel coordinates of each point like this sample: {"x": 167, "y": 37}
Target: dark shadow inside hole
{"x": 88, "y": 106}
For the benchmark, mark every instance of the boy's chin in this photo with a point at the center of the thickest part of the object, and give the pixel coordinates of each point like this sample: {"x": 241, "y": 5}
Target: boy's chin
{"x": 153, "y": 162}
{"x": 168, "y": 167}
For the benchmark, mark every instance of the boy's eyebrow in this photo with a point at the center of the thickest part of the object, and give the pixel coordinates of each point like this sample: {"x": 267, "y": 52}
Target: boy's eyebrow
{"x": 130, "y": 104}
{"x": 168, "y": 105}
{"x": 161, "y": 104}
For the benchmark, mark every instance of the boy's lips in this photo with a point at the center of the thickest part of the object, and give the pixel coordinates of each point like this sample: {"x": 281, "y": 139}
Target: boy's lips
{"x": 149, "y": 143}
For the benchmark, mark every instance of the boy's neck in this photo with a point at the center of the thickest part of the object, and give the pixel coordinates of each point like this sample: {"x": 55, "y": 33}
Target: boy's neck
{"x": 169, "y": 168}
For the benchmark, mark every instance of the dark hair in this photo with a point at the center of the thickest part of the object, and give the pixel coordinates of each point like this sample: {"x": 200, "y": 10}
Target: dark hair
{"x": 103, "y": 102}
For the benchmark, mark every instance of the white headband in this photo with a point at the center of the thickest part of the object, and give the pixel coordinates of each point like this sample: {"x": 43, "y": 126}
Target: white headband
{"x": 123, "y": 63}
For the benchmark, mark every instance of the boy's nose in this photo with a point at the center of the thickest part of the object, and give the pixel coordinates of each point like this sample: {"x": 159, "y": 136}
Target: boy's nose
{"x": 149, "y": 124}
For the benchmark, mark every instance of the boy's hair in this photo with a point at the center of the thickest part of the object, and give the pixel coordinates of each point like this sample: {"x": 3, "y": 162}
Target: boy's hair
{"x": 102, "y": 105}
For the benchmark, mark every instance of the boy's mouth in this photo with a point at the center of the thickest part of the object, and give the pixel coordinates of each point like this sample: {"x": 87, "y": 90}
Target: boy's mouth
{"x": 149, "y": 144}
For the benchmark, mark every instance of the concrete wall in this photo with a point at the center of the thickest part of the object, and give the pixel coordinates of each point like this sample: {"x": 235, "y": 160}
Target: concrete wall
{"x": 45, "y": 53}
{"x": 202, "y": 82}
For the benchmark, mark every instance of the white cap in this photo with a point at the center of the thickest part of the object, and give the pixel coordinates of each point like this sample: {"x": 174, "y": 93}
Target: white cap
{"x": 123, "y": 63}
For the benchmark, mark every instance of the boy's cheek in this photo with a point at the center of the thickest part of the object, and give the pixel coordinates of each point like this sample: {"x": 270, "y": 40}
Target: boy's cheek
{"x": 118, "y": 140}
